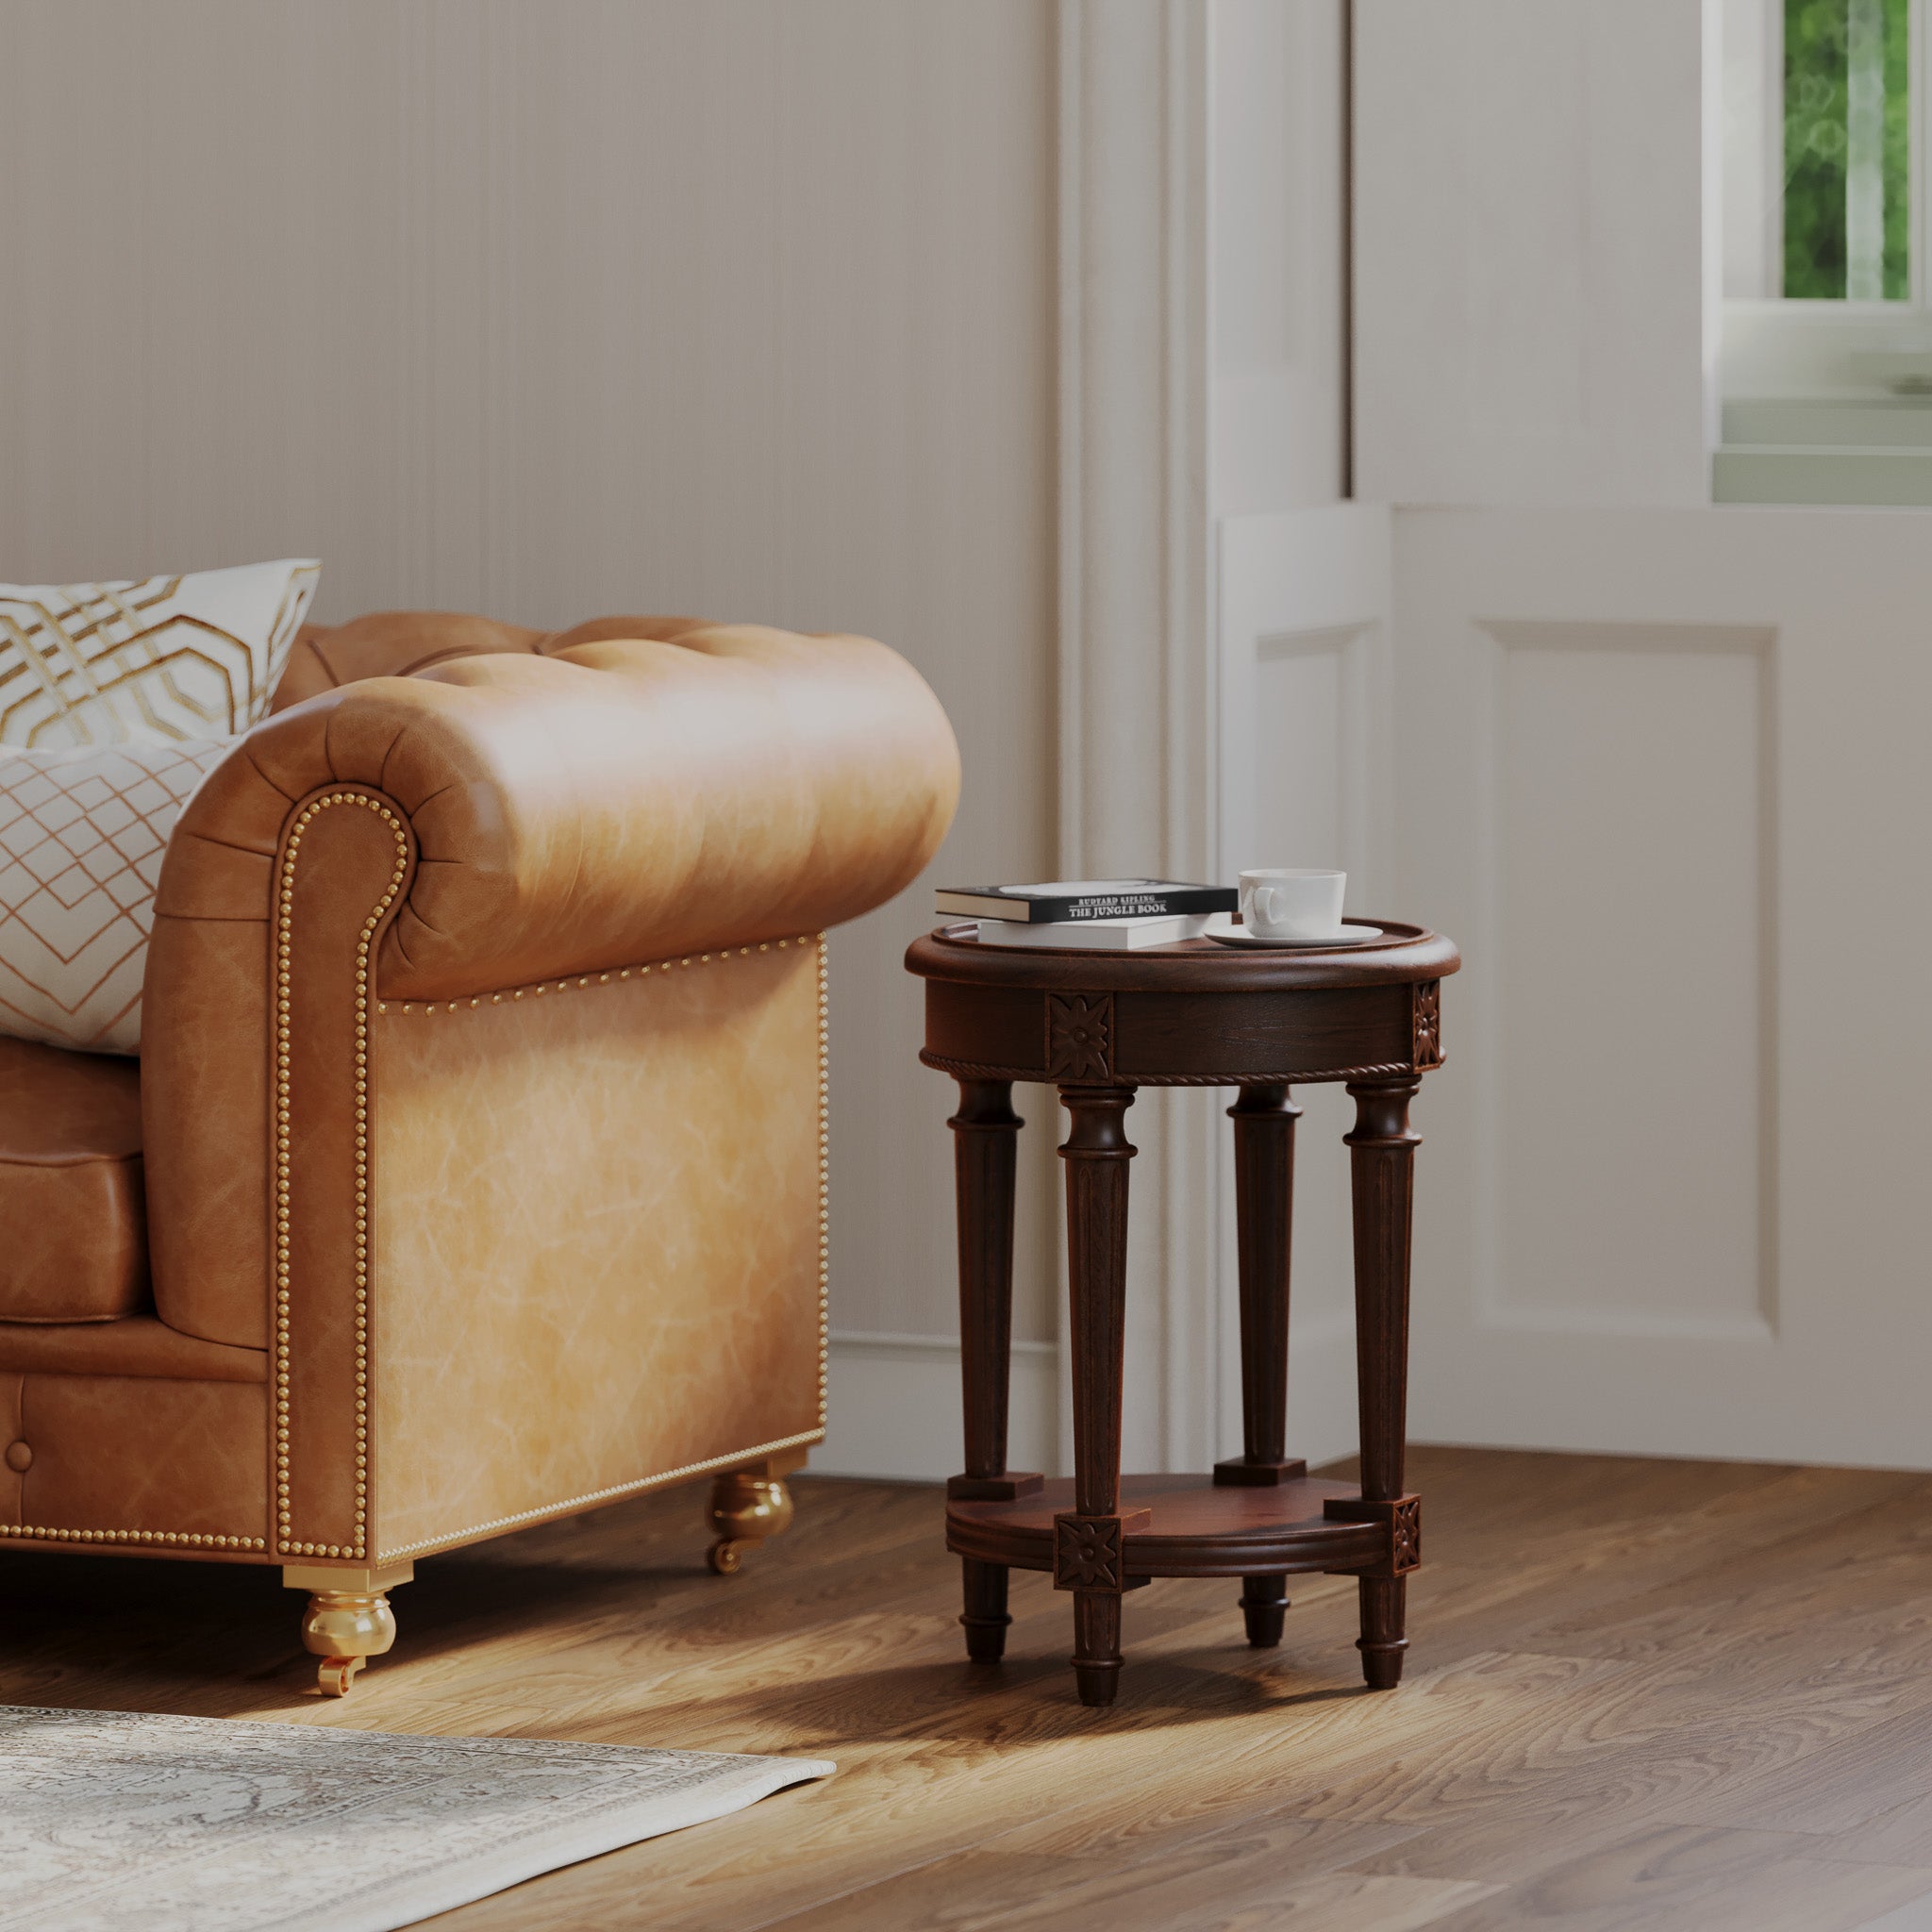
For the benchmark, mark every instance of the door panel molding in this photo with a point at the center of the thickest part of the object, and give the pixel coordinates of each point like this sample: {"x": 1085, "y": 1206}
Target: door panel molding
{"x": 1668, "y": 1200}
{"x": 1633, "y": 1158}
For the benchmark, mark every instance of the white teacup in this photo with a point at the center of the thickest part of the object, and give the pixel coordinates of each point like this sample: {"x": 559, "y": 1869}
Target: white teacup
{"x": 1295, "y": 903}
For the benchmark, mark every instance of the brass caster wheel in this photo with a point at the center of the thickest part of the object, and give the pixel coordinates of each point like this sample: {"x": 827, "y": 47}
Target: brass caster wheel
{"x": 747, "y": 1505}
{"x": 346, "y": 1628}
{"x": 336, "y": 1673}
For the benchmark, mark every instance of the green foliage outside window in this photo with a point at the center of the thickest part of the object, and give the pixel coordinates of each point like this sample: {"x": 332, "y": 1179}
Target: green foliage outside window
{"x": 1822, "y": 143}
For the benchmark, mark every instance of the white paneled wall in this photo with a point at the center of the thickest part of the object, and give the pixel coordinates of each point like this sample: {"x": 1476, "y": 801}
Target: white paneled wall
{"x": 1630, "y": 797}
{"x": 1278, "y": 406}
{"x": 1661, "y": 774}
{"x": 1529, "y": 214}
{"x": 552, "y": 310}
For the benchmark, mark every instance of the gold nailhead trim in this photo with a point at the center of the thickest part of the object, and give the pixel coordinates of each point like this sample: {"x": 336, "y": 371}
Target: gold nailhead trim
{"x": 824, "y": 1172}
{"x": 285, "y": 919}
{"x": 824, "y": 1284}
{"x": 824, "y": 1142}
{"x": 539, "y": 988}
{"x": 175, "y": 1538}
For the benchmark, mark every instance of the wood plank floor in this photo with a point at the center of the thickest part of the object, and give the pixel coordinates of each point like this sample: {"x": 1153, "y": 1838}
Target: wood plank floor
{"x": 1642, "y": 1694}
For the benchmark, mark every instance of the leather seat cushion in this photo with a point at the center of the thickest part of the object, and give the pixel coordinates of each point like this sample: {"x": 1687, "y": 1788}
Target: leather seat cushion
{"x": 75, "y": 1234}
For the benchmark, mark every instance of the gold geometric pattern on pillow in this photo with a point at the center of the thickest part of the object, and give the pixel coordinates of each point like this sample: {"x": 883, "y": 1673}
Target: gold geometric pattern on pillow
{"x": 195, "y": 657}
{"x": 82, "y": 832}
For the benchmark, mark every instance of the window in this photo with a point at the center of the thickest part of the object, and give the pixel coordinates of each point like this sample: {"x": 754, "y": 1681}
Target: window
{"x": 1847, "y": 174}
{"x": 1827, "y": 253}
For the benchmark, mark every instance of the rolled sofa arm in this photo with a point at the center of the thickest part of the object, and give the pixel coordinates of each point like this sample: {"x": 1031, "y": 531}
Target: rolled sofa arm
{"x": 625, "y": 800}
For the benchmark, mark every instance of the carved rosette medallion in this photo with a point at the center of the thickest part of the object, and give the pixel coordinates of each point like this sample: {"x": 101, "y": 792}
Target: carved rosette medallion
{"x": 1087, "y": 1553}
{"x": 1404, "y": 1516}
{"x": 1079, "y": 1038}
{"x": 1428, "y": 1023}
{"x": 1406, "y": 1536}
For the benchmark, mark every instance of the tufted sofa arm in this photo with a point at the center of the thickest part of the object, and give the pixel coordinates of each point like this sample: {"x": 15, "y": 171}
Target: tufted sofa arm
{"x": 527, "y": 817}
{"x": 624, "y": 800}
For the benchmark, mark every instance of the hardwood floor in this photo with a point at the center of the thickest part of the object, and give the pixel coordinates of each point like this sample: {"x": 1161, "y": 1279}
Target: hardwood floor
{"x": 1644, "y": 1695}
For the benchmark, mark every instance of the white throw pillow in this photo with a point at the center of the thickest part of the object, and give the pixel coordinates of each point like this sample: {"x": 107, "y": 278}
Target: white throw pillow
{"x": 116, "y": 700}
{"x": 163, "y": 658}
{"x": 82, "y": 831}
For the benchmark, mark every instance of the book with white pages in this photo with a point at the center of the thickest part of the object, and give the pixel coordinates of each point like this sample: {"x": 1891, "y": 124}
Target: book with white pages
{"x": 1062, "y": 901}
{"x": 1096, "y": 934}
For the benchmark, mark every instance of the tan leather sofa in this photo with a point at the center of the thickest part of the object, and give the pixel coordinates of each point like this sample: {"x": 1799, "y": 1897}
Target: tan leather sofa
{"x": 474, "y": 1169}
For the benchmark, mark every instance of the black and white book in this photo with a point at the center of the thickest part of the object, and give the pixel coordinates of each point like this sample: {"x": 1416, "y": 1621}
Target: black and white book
{"x": 1095, "y": 935}
{"x": 1062, "y": 901}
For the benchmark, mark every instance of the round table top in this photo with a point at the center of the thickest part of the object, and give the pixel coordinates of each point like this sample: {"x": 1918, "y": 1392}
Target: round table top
{"x": 1405, "y": 955}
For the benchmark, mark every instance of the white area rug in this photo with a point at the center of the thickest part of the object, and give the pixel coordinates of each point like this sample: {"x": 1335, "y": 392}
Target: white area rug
{"x": 117, "y": 1820}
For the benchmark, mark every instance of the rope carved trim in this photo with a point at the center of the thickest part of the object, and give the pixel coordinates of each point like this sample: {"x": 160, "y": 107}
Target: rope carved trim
{"x": 973, "y": 1071}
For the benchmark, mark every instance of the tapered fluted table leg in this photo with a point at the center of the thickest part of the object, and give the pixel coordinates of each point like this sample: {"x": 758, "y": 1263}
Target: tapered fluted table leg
{"x": 1090, "y": 1540}
{"x": 985, "y": 1136}
{"x": 1382, "y": 1170}
{"x": 1264, "y": 1119}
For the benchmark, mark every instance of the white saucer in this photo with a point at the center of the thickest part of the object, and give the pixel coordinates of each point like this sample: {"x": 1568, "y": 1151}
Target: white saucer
{"x": 1228, "y": 934}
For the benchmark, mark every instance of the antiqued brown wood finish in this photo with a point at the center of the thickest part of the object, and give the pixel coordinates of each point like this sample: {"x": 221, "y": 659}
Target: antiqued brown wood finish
{"x": 1382, "y": 1171}
{"x": 1264, "y": 1119}
{"x": 985, "y": 1133}
{"x": 1090, "y": 1539}
{"x": 1186, "y": 1526}
{"x": 1098, "y": 1026}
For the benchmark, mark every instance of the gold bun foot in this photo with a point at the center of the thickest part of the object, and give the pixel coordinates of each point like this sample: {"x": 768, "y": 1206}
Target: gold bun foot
{"x": 747, "y": 1505}
{"x": 345, "y": 1628}
{"x": 348, "y": 1619}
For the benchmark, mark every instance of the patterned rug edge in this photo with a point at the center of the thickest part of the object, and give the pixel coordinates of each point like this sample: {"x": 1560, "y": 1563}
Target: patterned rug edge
{"x": 410, "y": 1902}
{"x": 425, "y": 1813}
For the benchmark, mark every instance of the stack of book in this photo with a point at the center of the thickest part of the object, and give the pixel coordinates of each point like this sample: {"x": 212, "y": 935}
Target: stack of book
{"x": 1099, "y": 915}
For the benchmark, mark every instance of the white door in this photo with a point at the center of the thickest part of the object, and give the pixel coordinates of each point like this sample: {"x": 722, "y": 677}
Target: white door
{"x": 1665, "y": 778}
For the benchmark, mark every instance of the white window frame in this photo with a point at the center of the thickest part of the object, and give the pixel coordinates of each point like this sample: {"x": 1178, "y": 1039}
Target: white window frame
{"x": 1777, "y": 347}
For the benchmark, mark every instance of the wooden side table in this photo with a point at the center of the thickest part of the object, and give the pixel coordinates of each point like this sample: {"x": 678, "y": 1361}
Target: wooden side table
{"x": 1098, "y": 1026}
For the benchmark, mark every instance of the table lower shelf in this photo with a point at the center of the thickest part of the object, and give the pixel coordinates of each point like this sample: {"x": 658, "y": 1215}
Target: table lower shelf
{"x": 1196, "y": 1528}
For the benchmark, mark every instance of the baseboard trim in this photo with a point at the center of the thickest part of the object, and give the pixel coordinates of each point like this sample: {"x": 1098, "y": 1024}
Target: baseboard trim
{"x": 893, "y": 1407}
